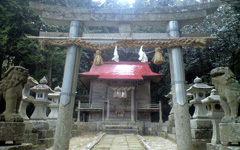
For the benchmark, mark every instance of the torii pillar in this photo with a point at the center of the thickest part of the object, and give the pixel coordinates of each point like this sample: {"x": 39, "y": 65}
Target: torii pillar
{"x": 180, "y": 105}
{"x": 64, "y": 121}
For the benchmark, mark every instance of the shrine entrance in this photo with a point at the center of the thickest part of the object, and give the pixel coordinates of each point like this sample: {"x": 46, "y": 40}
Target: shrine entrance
{"x": 171, "y": 17}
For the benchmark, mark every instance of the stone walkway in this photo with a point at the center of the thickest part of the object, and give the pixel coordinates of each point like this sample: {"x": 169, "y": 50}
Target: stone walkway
{"x": 119, "y": 142}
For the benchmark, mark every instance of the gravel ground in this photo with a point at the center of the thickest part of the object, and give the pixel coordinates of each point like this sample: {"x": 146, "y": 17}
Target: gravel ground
{"x": 77, "y": 143}
{"x": 156, "y": 143}
{"x": 159, "y": 143}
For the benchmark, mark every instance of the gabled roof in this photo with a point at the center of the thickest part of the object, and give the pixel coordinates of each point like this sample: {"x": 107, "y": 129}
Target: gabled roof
{"x": 120, "y": 71}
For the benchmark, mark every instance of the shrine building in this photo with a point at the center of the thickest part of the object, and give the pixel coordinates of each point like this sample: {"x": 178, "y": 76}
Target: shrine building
{"x": 119, "y": 91}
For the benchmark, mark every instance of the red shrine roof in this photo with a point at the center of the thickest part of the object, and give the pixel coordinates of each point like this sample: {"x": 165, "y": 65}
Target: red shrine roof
{"x": 120, "y": 71}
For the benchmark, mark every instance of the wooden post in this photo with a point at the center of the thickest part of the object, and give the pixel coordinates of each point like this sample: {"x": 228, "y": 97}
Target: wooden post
{"x": 132, "y": 106}
{"x": 108, "y": 104}
{"x": 84, "y": 117}
{"x": 103, "y": 109}
{"x": 79, "y": 115}
{"x": 160, "y": 112}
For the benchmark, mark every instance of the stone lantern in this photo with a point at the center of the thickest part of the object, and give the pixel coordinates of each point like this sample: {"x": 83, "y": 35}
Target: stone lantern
{"x": 199, "y": 91}
{"x": 41, "y": 100}
{"x": 26, "y": 97}
{"x": 215, "y": 113}
{"x": 201, "y": 126}
{"x": 39, "y": 117}
{"x": 170, "y": 123}
{"x": 55, "y": 103}
{"x": 54, "y": 106}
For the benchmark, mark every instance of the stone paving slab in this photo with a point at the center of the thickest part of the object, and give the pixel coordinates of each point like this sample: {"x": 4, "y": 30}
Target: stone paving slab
{"x": 119, "y": 142}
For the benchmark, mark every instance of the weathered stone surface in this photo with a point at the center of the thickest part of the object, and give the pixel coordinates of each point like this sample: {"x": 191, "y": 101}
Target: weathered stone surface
{"x": 12, "y": 131}
{"x": 31, "y": 138}
{"x": 229, "y": 133}
{"x": 52, "y": 124}
{"x": 28, "y": 126}
{"x": 40, "y": 125}
{"x": 201, "y": 133}
{"x": 48, "y": 142}
{"x": 24, "y": 146}
{"x": 211, "y": 146}
{"x": 11, "y": 88}
{"x": 102, "y": 17}
{"x": 39, "y": 147}
{"x": 229, "y": 90}
{"x": 40, "y": 109}
{"x": 201, "y": 124}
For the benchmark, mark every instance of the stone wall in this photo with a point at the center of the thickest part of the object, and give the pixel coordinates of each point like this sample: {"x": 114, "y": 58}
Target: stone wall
{"x": 152, "y": 128}
{"x": 145, "y": 128}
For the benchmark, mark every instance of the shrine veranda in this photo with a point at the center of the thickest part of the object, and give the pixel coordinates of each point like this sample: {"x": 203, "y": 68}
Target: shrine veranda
{"x": 171, "y": 17}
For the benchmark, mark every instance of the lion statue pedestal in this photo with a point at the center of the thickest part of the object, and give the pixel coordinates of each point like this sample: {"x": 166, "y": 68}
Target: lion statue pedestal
{"x": 11, "y": 123}
{"x": 229, "y": 91}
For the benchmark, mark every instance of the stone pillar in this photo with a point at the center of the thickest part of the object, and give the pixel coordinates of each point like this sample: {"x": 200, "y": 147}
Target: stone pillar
{"x": 182, "y": 118}
{"x": 132, "y": 105}
{"x": 64, "y": 122}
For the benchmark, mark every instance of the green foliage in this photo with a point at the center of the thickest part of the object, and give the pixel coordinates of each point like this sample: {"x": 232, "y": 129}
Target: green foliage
{"x": 17, "y": 21}
{"x": 223, "y": 52}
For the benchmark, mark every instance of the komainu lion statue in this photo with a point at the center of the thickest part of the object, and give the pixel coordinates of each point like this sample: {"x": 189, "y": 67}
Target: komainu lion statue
{"x": 11, "y": 92}
{"x": 229, "y": 90}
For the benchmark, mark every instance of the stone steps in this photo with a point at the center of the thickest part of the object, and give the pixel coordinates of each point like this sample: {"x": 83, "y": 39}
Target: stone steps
{"x": 120, "y": 129}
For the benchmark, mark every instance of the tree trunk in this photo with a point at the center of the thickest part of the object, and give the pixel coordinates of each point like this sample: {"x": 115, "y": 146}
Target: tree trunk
{"x": 1, "y": 63}
{"x": 49, "y": 72}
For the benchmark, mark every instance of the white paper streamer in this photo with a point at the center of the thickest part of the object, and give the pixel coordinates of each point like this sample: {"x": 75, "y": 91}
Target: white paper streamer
{"x": 115, "y": 55}
{"x": 142, "y": 55}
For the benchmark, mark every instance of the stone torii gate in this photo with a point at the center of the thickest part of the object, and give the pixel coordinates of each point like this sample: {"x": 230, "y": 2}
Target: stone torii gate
{"x": 171, "y": 17}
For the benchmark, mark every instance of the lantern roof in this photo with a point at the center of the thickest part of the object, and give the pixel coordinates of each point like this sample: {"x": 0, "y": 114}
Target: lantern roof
{"x": 42, "y": 87}
{"x": 213, "y": 98}
{"x": 199, "y": 85}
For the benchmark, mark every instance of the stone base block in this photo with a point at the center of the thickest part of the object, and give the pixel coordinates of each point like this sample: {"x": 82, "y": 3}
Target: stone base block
{"x": 201, "y": 124}
{"x": 28, "y": 126}
{"x": 24, "y": 146}
{"x": 31, "y": 138}
{"x": 40, "y": 125}
{"x": 201, "y": 133}
{"x": 48, "y": 142}
{"x": 12, "y": 131}
{"x": 211, "y": 146}
{"x": 200, "y": 144}
{"x": 229, "y": 133}
{"x": 52, "y": 124}
{"x": 50, "y": 134}
{"x": 39, "y": 147}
